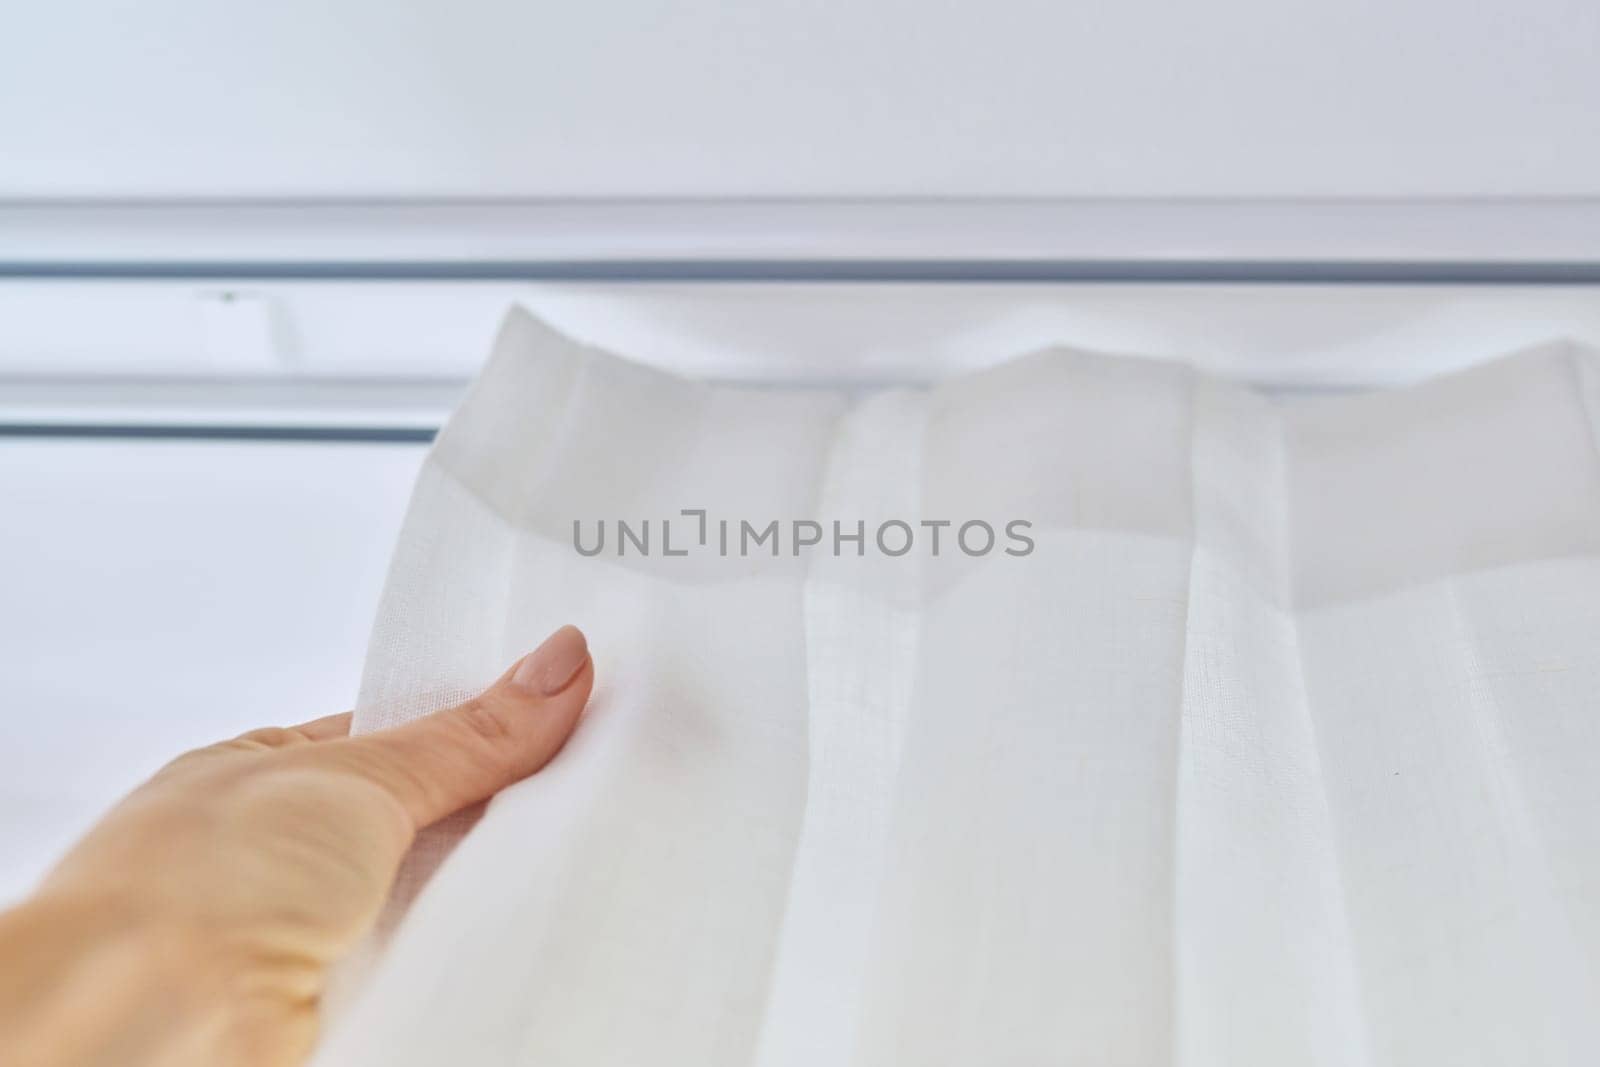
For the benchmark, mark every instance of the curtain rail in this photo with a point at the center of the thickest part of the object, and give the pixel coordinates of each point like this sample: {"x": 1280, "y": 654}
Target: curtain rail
{"x": 1489, "y": 240}
{"x": 266, "y": 432}
{"x": 1174, "y": 272}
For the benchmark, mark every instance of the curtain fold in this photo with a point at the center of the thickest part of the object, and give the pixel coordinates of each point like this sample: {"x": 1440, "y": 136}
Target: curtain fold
{"x": 1275, "y": 745}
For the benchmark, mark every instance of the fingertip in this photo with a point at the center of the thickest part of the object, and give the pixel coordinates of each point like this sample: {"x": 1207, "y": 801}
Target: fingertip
{"x": 326, "y": 728}
{"x": 555, "y": 665}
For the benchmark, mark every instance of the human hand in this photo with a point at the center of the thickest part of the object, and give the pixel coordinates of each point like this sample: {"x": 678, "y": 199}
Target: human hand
{"x": 196, "y": 924}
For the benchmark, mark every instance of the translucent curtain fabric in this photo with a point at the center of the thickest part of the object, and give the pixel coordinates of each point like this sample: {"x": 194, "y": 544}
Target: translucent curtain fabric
{"x": 1279, "y": 747}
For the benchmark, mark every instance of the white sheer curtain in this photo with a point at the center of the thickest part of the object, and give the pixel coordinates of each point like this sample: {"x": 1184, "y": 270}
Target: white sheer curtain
{"x": 1278, "y": 747}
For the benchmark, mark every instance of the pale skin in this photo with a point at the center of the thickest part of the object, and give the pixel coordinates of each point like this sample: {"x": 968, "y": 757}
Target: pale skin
{"x": 197, "y": 923}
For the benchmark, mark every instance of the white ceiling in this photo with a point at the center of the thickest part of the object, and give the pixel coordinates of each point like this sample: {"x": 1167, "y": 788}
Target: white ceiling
{"x": 784, "y": 97}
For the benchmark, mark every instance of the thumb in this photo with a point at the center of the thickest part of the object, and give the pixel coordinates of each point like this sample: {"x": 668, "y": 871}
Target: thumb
{"x": 450, "y": 759}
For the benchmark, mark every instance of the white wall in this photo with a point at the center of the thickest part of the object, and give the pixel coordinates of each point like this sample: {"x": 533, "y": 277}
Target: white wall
{"x": 162, "y": 595}
{"x": 864, "y": 97}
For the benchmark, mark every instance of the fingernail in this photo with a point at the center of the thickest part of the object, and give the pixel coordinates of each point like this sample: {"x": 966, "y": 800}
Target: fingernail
{"x": 551, "y": 667}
